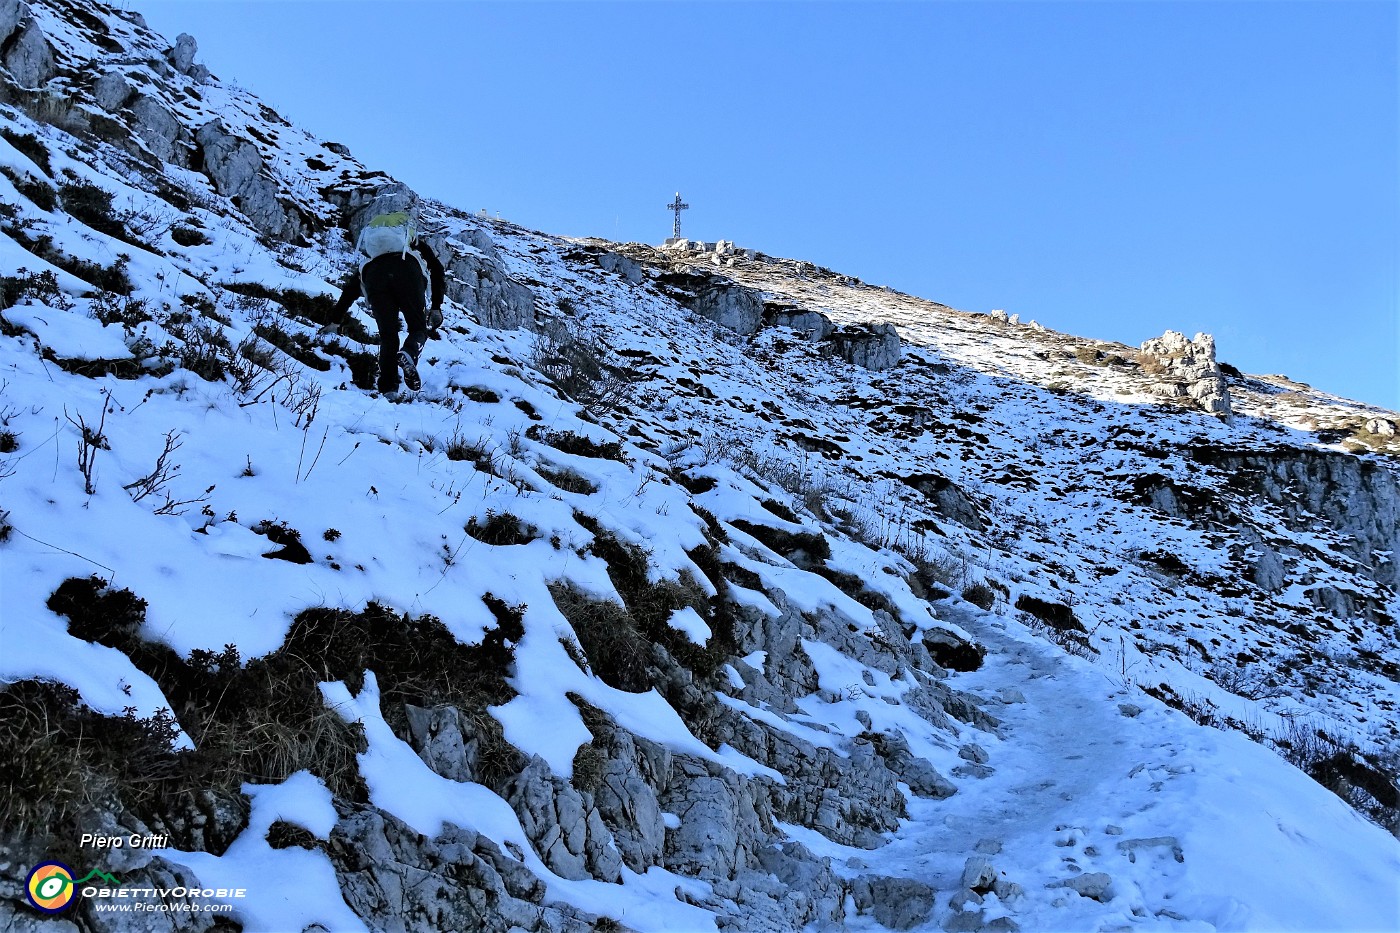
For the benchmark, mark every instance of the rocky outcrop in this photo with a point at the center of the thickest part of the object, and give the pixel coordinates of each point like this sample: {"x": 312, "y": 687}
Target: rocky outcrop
{"x": 813, "y": 325}
{"x": 396, "y": 879}
{"x": 567, "y": 831}
{"x": 623, "y": 266}
{"x": 1187, "y": 369}
{"x": 1358, "y": 499}
{"x": 237, "y": 170}
{"x": 896, "y": 903}
{"x": 732, "y": 306}
{"x": 870, "y": 346}
{"x": 28, "y": 55}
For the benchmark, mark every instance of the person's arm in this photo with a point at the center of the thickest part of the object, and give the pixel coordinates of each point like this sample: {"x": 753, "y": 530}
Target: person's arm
{"x": 436, "y": 274}
{"x": 349, "y": 293}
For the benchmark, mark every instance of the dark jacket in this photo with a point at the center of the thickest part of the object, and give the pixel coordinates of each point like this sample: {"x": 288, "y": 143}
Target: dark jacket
{"x": 354, "y": 284}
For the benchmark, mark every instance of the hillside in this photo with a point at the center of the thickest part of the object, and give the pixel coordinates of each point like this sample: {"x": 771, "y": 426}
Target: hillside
{"x": 696, "y": 589}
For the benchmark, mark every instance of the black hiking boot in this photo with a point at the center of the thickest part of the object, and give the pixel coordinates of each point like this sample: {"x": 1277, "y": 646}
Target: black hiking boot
{"x": 410, "y": 372}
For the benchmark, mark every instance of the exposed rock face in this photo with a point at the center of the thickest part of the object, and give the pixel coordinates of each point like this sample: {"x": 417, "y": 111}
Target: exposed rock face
{"x": 398, "y": 880}
{"x": 1189, "y": 369}
{"x": 162, "y": 133}
{"x": 896, "y": 903}
{"x": 28, "y": 55}
{"x": 870, "y": 346}
{"x": 627, "y": 268}
{"x": 627, "y": 801}
{"x": 1358, "y": 499}
{"x": 237, "y": 170}
{"x": 733, "y": 306}
{"x": 566, "y": 830}
{"x": 813, "y": 324}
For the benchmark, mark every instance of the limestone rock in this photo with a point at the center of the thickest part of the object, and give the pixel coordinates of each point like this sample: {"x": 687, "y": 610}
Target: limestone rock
{"x": 896, "y": 903}
{"x": 626, "y": 798}
{"x": 236, "y": 168}
{"x": 566, "y": 831}
{"x": 813, "y": 325}
{"x": 875, "y": 347}
{"x": 437, "y": 737}
{"x": 973, "y": 753}
{"x": 28, "y": 55}
{"x": 182, "y": 55}
{"x": 1188, "y": 368}
{"x": 921, "y": 776}
{"x": 12, "y": 13}
{"x": 627, "y": 268}
{"x": 1095, "y": 885}
{"x": 1268, "y": 571}
{"x": 395, "y": 879}
{"x": 731, "y": 306}
{"x": 112, "y": 91}
{"x": 1382, "y": 427}
{"x": 720, "y": 825}
{"x": 162, "y": 133}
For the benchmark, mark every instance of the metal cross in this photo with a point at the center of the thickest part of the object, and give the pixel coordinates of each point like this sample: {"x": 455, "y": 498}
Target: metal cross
{"x": 677, "y": 206}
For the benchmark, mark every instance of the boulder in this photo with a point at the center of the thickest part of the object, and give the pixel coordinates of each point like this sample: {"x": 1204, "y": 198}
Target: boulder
{"x": 162, "y": 133}
{"x": 1268, "y": 572}
{"x": 112, "y": 91}
{"x": 731, "y": 306}
{"x": 813, "y": 325}
{"x": 236, "y": 168}
{"x": 28, "y": 55}
{"x": 875, "y": 347}
{"x": 896, "y": 903}
{"x": 182, "y": 55}
{"x": 627, "y": 268}
{"x": 1187, "y": 368}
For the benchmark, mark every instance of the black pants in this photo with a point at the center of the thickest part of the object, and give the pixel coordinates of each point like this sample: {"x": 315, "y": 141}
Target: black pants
{"x": 394, "y": 286}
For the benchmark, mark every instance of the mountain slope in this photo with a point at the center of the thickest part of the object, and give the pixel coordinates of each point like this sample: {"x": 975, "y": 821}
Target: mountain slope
{"x": 687, "y": 594}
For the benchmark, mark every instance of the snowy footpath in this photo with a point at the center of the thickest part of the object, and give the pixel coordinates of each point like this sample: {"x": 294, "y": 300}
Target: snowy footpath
{"x": 1144, "y": 819}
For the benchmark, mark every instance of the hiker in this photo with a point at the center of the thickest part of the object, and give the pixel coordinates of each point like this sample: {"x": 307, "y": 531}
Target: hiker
{"x": 394, "y": 279}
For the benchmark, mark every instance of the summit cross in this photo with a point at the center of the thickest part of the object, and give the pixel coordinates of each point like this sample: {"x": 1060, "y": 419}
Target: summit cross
{"x": 677, "y": 206}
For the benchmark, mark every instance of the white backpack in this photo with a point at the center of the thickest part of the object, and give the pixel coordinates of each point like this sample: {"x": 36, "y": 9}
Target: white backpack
{"x": 387, "y": 233}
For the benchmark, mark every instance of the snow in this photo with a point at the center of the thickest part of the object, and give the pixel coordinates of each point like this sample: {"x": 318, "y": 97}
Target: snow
{"x": 68, "y": 335}
{"x": 382, "y": 510}
{"x": 688, "y": 621}
{"x": 287, "y": 889}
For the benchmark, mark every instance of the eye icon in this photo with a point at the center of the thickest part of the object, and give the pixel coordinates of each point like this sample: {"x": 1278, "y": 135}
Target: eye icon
{"x": 50, "y": 887}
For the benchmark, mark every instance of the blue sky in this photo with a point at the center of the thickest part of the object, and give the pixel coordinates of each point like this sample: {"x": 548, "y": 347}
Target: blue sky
{"x": 1109, "y": 169}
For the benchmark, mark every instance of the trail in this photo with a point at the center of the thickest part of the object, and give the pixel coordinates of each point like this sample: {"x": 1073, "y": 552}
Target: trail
{"x": 1093, "y": 781}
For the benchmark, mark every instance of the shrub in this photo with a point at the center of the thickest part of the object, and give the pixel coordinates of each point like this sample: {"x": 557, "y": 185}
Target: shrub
{"x": 566, "y": 479}
{"x": 501, "y": 529}
{"x": 31, "y": 146}
{"x": 42, "y": 195}
{"x": 93, "y": 206}
{"x": 188, "y": 235}
{"x": 578, "y": 444}
{"x": 980, "y": 595}
{"x": 582, "y": 367}
{"x": 41, "y": 286}
{"x": 1056, "y": 615}
{"x": 315, "y": 308}
{"x": 803, "y": 548}
{"x": 289, "y": 540}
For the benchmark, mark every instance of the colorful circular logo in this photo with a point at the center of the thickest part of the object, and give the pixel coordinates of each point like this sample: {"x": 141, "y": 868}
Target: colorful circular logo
{"x": 50, "y": 887}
